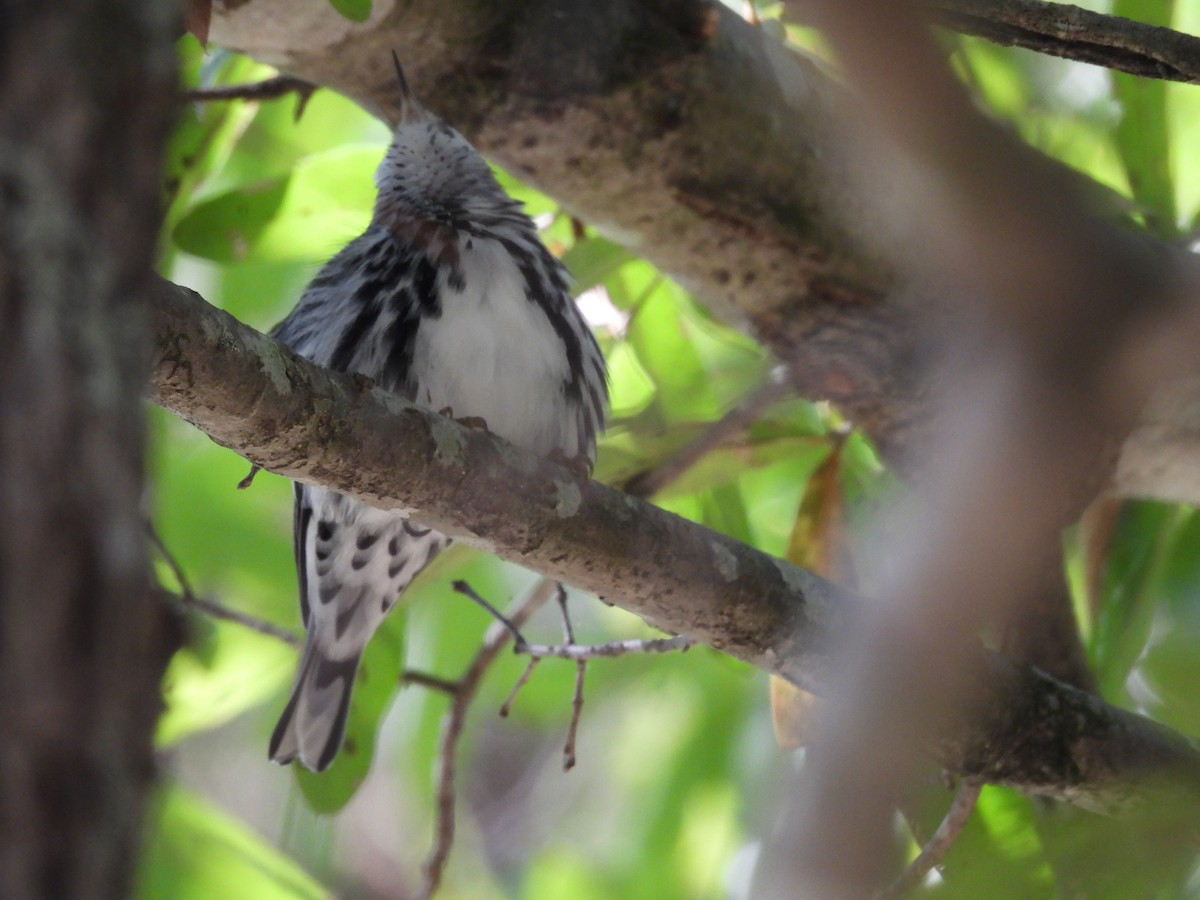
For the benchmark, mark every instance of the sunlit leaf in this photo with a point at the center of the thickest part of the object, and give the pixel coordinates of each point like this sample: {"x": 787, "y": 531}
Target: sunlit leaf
{"x": 1143, "y": 135}
{"x": 307, "y": 215}
{"x": 630, "y": 387}
{"x": 1123, "y": 622}
{"x": 592, "y": 260}
{"x": 354, "y": 10}
{"x": 207, "y": 134}
{"x": 239, "y": 670}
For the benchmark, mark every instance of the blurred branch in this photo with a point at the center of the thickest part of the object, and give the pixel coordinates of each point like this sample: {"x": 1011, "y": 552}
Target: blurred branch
{"x": 254, "y": 396}
{"x": 935, "y": 850}
{"x": 215, "y": 610}
{"x": 210, "y": 608}
{"x": 268, "y": 89}
{"x": 432, "y": 682}
{"x": 777, "y": 387}
{"x": 1074, "y": 326}
{"x": 1060, "y": 29}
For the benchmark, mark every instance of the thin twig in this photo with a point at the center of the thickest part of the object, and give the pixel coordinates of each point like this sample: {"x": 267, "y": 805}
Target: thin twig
{"x": 576, "y": 713}
{"x": 939, "y": 845}
{"x": 432, "y": 682}
{"x": 249, "y": 479}
{"x": 729, "y": 426}
{"x": 172, "y": 563}
{"x": 217, "y": 611}
{"x": 571, "y": 650}
{"x": 270, "y": 89}
{"x": 561, "y": 596}
{"x": 580, "y": 675}
{"x": 452, "y": 725}
{"x": 506, "y": 706}
{"x": 1060, "y": 29}
{"x": 211, "y": 608}
{"x": 467, "y": 591}
{"x": 610, "y": 649}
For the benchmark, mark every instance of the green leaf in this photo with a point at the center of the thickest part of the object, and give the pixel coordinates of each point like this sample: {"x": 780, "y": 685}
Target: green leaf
{"x": 593, "y": 260}
{"x": 206, "y": 134}
{"x": 631, "y": 389}
{"x": 354, "y": 10}
{"x": 238, "y": 670}
{"x": 376, "y": 685}
{"x": 1143, "y": 134}
{"x": 1129, "y": 594}
{"x": 1170, "y": 665}
{"x": 307, "y": 215}
{"x": 999, "y": 853}
{"x": 661, "y": 334}
{"x": 725, "y": 512}
{"x": 198, "y": 852}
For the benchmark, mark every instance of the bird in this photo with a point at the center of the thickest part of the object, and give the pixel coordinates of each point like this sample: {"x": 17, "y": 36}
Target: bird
{"x": 451, "y": 300}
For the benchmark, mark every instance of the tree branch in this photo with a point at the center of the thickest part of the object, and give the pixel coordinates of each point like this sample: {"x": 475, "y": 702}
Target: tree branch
{"x": 254, "y": 396}
{"x": 1060, "y": 29}
{"x": 638, "y": 144}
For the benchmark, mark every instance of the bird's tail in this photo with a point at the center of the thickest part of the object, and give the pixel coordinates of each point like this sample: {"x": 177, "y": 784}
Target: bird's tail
{"x": 314, "y": 720}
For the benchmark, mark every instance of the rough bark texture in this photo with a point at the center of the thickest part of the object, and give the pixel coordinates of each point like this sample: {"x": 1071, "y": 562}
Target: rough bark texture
{"x": 291, "y": 417}
{"x": 1061, "y": 29}
{"x": 692, "y": 137}
{"x": 81, "y": 641}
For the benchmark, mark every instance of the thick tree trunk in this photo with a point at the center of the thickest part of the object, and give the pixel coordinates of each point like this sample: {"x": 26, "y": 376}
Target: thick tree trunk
{"x": 85, "y": 94}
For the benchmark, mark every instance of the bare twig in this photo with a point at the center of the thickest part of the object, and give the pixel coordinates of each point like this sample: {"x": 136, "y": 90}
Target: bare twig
{"x": 729, "y": 426}
{"x": 580, "y": 675}
{"x": 432, "y": 682}
{"x": 269, "y": 89}
{"x": 1060, "y": 29}
{"x": 452, "y": 725}
{"x": 571, "y": 650}
{"x": 580, "y": 652}
{"x": 217, "y": 611}
{"x": 568, "y": 650}
{"x": 576, "y": 713}
{"x": 932, "y": 854}
{"x": 467, "y": 591}
{"x": 506, "y": 706}
{"x": 249, "y": 479}
{"x": 172, "y": 563}
{"x": 211, "y": 608}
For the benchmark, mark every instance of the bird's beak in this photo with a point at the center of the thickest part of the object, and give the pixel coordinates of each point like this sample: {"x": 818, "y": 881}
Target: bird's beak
{"x": 410, "y": 109}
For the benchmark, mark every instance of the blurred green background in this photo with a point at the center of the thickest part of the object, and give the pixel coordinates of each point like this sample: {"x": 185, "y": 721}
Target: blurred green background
{"x": 678, "y": 774}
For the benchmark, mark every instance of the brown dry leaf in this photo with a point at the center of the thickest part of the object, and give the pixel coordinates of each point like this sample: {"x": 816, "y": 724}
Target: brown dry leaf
{"x": 817, "y": 543}
{"x": 791, "y": 714}
{"x": 197, "y": 15}
{"x": 1096, "y": 530}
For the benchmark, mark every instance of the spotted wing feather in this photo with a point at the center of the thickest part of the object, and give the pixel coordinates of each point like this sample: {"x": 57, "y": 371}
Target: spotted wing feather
{"x": 353, "y": 561}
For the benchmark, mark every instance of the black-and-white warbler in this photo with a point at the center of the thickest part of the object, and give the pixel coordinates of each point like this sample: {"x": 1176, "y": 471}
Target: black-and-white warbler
{"x": 450, "y": 299}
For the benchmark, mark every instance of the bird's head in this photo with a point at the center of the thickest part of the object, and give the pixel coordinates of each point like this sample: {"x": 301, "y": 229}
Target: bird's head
{"x": 430, "y": 171}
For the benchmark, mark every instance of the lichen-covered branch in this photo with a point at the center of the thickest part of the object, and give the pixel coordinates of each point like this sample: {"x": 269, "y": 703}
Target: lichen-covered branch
{"x": 289, "y": 416}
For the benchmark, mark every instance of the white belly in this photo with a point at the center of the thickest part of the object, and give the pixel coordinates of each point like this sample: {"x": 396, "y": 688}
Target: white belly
{"x": 493, "y": 354}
